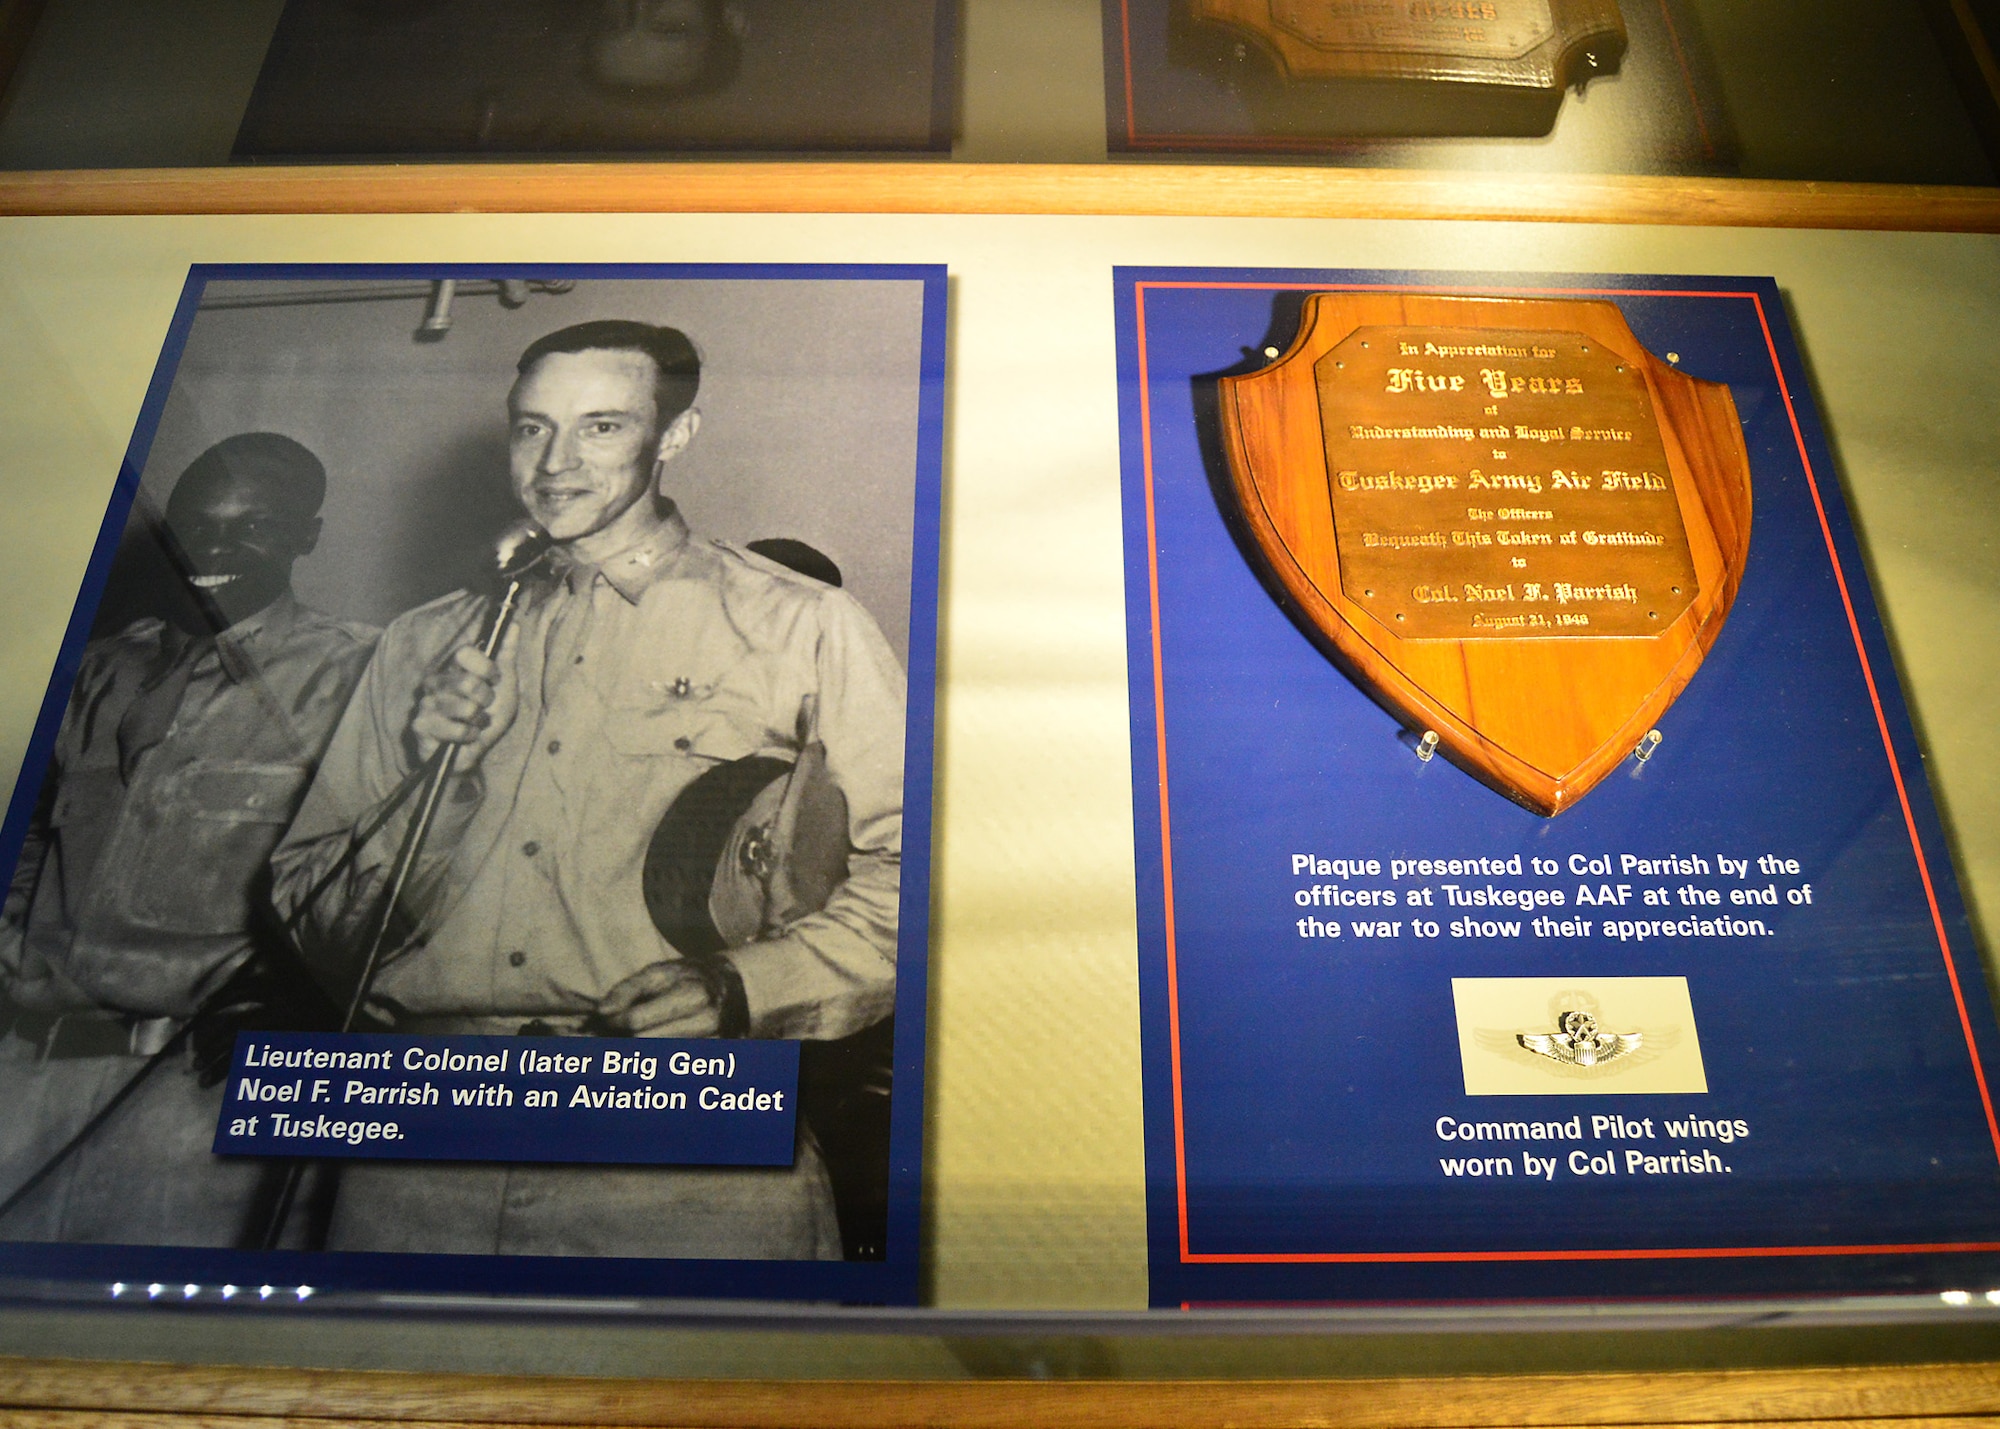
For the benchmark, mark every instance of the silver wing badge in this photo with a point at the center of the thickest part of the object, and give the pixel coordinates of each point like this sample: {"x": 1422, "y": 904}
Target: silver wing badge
{"x": 1579, "y": 1043}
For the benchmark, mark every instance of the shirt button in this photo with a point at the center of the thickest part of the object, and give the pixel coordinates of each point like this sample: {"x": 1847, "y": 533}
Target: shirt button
{"x": 555, "y": 746}
{"x": 515, "y": 960}
{"x": 531, "y": 848}
{"x": 684, "y": 744}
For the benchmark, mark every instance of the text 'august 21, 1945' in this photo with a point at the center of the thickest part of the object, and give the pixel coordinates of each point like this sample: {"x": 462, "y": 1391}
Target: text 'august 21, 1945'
{"x": 634, "y": 1101}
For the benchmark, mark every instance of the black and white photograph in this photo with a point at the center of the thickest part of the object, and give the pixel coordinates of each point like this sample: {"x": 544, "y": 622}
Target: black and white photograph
{"x": 497, "y": 657}
{"x": 355, "y": 77}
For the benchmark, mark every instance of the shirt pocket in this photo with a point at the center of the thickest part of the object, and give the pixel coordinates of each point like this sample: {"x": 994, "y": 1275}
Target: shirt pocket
{"x": 86, "y": 796}
{"x": 691, "y": 728}
{"x": 81, "y": 818}
{"x": 202, "y": 868}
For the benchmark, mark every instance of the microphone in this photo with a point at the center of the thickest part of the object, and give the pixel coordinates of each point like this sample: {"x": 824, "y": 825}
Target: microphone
{"x": 518, "y": 551}
{"x": 520, "y": 548}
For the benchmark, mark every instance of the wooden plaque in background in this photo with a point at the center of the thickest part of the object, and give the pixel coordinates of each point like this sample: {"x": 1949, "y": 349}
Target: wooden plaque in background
{"x": 1505, "y": 518}
{"x": 1446, "y": 66}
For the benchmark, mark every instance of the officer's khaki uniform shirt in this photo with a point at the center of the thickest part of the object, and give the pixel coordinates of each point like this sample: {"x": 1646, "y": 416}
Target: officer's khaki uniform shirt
{"x": 634, "y": 678}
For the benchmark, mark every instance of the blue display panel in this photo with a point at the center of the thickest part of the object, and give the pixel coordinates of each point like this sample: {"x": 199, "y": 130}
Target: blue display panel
{"x": 1346, "y": 950}
{"x": 675, "y": 888}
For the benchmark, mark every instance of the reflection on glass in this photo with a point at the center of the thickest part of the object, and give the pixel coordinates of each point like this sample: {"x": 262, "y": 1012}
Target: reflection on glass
{"x": 667, "y": 47}
{"x": 523, "y": 76}
{"x": 1778, "y": 89}
{"x": 1409, "y": 67}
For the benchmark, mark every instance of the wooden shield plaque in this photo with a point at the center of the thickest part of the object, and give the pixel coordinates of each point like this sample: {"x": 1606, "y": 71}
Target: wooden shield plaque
{"x": 1444, "y": 52}
{"x": 1505, "y": 518}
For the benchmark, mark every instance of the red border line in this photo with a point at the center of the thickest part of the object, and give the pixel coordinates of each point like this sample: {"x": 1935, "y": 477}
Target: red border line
{"x": 1444, "y": 288}
{"x": 1882, "y": 722}
{"x": 1261, "y": 144}
{"x": 1687, "y": 78}
{"x": 1160, "y": 736}
{"x": 1492, "y": 1302}
{"x": 1187, "y": 1254}
{"x": 1664, "y": 1253}
{"x": 1125, "y": 30}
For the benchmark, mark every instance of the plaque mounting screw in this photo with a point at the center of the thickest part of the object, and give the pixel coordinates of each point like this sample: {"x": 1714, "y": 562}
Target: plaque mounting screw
{"x": 1427, "y": 746}
{"x": 1271, "y": 352}
{"x": 1647, "y": 745}
{"x": 1673, "y": 357}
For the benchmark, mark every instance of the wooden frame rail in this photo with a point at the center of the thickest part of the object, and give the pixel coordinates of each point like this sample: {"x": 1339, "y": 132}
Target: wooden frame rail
{"x": 45, "y": 1393}
{"x": 942, "y": 187}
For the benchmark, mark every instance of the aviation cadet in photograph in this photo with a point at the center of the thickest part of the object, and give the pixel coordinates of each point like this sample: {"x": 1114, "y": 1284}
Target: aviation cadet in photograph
{"x": 142, "y": 893}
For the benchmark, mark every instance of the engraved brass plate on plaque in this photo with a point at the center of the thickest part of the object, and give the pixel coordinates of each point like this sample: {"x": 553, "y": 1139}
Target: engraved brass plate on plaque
{"x": 1485, "y": 29}
{"x": 1509, "y": 522}
{"x": 1489, "y": 483}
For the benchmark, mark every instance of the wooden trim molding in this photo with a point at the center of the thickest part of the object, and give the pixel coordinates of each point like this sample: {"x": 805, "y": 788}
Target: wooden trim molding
{"x": 943, "y": 187}
{"x": 51, "y": 1392}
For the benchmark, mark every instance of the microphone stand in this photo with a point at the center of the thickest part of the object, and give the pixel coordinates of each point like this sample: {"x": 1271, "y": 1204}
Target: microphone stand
{"x": 407, "y": 857}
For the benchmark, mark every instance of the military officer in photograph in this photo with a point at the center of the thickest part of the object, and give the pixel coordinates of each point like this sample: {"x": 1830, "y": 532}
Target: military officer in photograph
{"x": 142, "y": 892}
{"x": 649, "y": 658}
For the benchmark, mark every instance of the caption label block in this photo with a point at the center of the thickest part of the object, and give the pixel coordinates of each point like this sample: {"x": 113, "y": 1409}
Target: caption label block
{"x": 616, "y": 1100}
